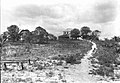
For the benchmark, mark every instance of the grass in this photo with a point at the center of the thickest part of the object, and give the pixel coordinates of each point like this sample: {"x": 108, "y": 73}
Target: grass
{"x": 70, "y": 51}
{"x": 105, "y": 60}
{"x": 54, "y": 48}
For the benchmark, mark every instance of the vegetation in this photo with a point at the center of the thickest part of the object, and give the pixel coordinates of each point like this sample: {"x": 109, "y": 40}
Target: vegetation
{"x": 70, "y": 58}
{"x": 75, "y": 33}
{"x": 107, "y": 59}
{"x": 25, "y": 35}
{"x": 27, "y": 51}
{"x": 85, "y": 32}
{"x": 14, "y": 34}
{"x": 41, "y": 36}
{"x": 95, "y": 35}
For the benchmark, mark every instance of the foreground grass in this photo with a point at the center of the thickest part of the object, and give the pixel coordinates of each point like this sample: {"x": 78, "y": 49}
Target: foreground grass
{"x": 37, "y": 72}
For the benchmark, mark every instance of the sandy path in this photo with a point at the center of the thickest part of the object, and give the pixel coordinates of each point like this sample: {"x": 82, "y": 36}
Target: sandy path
{"x": 80, "y": 73}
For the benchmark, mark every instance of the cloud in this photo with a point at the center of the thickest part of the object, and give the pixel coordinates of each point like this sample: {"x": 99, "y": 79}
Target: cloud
{"x": 97, "y": 13}
{"x": 100, "y": 12}
{"x": 34, "y": 11}
{"x": 57, "y": 17}
{"x": 105, "y": 12}
{"x": 51, "y": 17}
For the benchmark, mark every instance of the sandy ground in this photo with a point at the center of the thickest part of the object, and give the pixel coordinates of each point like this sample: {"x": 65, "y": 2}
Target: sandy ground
{"x": 78, "y": 73}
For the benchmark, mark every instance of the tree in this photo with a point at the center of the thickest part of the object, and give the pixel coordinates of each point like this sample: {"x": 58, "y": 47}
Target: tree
{"x": 13, "y": 31}
{"x": 3, "y": 38}
{"x": 1, "y": 42}
{"x": 116, "y": 39}
{"x": 25, "y": 35}
{"x": 39, "y": 35}
{"x": 85, "y": 32}
{"x": 75, "y": 33}
{"x": 51, "y": 37}
{"x": 95, "y": 35}
{"x": 41, "y": 31}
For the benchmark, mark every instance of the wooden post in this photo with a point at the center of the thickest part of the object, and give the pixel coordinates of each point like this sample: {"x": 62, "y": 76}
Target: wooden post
{"x": 22, "y": 66}
{"x": 29, "y": 62}
{"x": 4, "y": 66}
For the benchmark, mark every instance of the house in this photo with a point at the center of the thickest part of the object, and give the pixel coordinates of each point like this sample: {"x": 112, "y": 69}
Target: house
{"x": 66, "y": 34}
{"x": 67, "y": 31}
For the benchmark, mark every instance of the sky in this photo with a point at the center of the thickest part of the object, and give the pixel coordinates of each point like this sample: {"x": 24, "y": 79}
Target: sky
{"x": 57, "y": 15}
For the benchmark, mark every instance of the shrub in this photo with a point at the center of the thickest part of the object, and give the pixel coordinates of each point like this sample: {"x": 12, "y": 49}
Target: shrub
{"x": 106, "y": 59}
{"x": 70, "y": 58}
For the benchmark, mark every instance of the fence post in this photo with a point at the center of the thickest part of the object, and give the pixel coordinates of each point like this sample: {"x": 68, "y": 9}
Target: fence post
{"x": 4, "y": 66}
{"x": 29, "y": 62}
{"x": 22, "y": 66}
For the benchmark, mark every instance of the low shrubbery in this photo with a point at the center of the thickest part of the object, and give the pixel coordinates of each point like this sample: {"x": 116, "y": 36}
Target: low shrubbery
{"x": 44, "y": 50}
{"x": 72, "y": 59}
{"x": 106, "y": 60}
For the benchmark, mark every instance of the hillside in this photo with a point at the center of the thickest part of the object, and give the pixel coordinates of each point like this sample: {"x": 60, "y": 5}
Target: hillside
{"x": 49, "y": 71}
{"x": 26, "y": 51}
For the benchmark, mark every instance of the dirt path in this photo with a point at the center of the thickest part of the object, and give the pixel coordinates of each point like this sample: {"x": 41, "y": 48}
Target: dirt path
{"x": 80, "y": 73}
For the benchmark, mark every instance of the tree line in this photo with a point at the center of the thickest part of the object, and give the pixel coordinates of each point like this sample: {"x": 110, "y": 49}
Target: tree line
{"x": 14, "y": 34}
{"x": 84, "y": 33}
{"x": 40, "y": 35}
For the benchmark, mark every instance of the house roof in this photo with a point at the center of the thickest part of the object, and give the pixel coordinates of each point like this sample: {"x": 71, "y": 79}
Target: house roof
{"x": 68, "y": 29}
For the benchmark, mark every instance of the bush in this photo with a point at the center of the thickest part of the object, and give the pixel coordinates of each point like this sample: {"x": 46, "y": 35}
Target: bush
{"x": 107, "y": 59}
{"x": 72, "y": 58}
